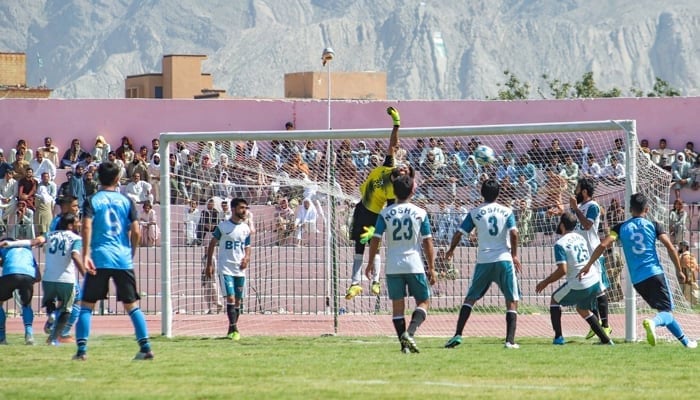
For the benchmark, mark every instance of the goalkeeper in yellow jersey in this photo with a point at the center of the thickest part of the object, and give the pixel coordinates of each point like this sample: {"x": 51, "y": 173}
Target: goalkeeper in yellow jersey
{"x": 376, "y": 191}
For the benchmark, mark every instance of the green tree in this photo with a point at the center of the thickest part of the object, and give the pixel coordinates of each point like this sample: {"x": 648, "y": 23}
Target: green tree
{"x": 514, "y": 89}
{"x": 663, "y": 89}
{"x": 557, "y": 88}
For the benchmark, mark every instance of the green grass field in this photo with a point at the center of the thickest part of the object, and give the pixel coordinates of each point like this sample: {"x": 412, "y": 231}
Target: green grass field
{"x": 345, "y": 367}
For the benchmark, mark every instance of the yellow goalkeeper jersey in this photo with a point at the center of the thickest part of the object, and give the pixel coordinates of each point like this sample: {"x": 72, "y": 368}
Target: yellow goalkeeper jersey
{"x": 377, "y": 189}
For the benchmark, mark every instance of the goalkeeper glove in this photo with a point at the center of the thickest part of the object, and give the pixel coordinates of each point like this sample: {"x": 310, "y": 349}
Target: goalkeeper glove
{"x": 394, "y": 115}
{"x": 365, "y": 237}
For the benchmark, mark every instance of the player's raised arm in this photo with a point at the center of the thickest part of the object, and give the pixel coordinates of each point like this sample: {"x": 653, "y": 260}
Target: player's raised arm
{"x": 394, "y": 138}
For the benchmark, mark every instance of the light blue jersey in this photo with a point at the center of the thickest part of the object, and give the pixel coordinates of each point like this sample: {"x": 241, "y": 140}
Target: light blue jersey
{"x": 18, "y": 260}
{"x": 112, "y": 214}
{"x": 493, "y": 222}
{"x": 406, "y": 225}
{"x": 638, "y": 237}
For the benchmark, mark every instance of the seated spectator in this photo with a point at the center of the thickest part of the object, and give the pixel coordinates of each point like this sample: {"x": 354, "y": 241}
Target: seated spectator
{"x": 680, "y": 172}
{"x": 614, "y": 214}
{"x": 644, "y": 147}
{"x": 20, "y": 164}
{"x": 459, "y": 151}
{"x": 224, "y": 187}
{"x": 125, "y": 151}
{"x": 74, "y": 155}
{"x": 21, "y": 222}
{"x": 138, "y": 191}
{"x": 570, "y": 173}
{"x": 592, "y": 169}
{"x": 4, "y": 165}
{"x": 579, "y": 153}
{"x": 470, "y": 172}
{"x": 305, "y": 221}
{"x": 526, "y": 168}
{"x": 148, "y": 221}
{"x": 347, "y": 175}
{"x": 695, "y": 175}
{"x": 208, "y": 220}
{"x": 690, "y": 154}
{"x": 191, "y": 222}
{"x": 416, "y": 155}
{"x": 360, "y": 156}
{"x": 509, "y": 153}
{"x": 89, "y": 162}
{"x": 64, "y": 188}
{"x": 663, "y": 156}
{"x": 101, "y": 150}
{"x": 309, "y": 154}
{"x": 434, "y": 147}
{"x": 613, "y": 173}
{"x": 8, "y": 195}
{"x": 137, "y": 164}
{"x": 112, "y": 157}
{"x": 45, "y": 201}
{"x": 252, "y": 151}
{"x": 76, "y": 186}
{"x": 536, "y": 155}
{"x": 50, "y": 152}
{"x": 552, "y": 205}
{"x": 555, "y": 154}
{"x": 40, "y": 165}
{"x": 678, "y": 222}
{"x": 284, "y": 221}
{"x": 618, "y": 151}
{"x": 26, "y": 188}
{"x": 91, "y": 185}
{"x": 26, "y": 152}
{"x": 522, "y": 189}
{"x": 155, "y": 148}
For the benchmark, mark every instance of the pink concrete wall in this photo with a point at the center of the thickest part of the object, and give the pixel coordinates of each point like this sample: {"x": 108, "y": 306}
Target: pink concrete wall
{"x": 676, "y": 119}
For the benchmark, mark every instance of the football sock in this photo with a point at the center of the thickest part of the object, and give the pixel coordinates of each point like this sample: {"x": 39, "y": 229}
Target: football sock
{"x": 74, "y": 313}
{"x": 377, "y": 268}
{"x": 28, "y": 319}
{"x": 82, "y": 328}
{"x": 595, "y": 326}
{"x": 399, "y": 325}
{"x": 603, "y": 309}
{"x": 357, "y": 268}
{"x": 464, "y": 314}
{"x": 140, "y": 328}
{"x": 230, "y": 311}
{"x": 3, "y": 320}
{"x": 511, "y": 323}
{"x": 236, "y": 314}
{"x": 675, "y": 328}
{"x": 663, "y": 318}
{"x": 555, "y": 316}
{"x": 419, "y": 315}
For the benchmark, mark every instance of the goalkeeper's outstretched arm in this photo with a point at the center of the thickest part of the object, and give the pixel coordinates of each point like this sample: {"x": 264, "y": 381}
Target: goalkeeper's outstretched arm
{"x": 394, "y": 138}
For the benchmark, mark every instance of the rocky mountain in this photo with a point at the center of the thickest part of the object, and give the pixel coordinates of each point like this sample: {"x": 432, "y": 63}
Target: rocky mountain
{"x": 439, "y": 49}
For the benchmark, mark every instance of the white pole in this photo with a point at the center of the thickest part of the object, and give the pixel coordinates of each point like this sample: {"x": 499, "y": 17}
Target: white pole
{"x": 329, "y": 199}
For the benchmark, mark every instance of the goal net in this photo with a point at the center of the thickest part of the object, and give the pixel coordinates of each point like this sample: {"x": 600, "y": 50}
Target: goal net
{"x": 302, "y": 260}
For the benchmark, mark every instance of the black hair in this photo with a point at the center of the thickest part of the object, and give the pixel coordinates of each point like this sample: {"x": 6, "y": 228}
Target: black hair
{"x": 403, "y": 186}
{"x": 569, "y": 220}
{"x": 235, "y": 202}
{"x": 588, "y": 185}
{"x": 66, "y": 200}
{"x": 108, "y": 172}
{"x": 638, "y": 202}
{"x": 490, "y": 190}
{"x": 66, "y": 219}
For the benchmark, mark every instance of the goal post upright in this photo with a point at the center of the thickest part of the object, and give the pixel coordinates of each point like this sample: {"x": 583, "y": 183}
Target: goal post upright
{"x": 631, "y": 150}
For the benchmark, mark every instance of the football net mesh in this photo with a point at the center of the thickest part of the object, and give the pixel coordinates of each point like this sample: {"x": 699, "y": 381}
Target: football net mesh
{"x": 302, "y": 260}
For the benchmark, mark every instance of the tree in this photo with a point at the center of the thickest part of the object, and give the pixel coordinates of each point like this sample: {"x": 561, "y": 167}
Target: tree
{"x": 558, "y": 90}
{"x": 515, "y": 90}
{"x": 663, "y": 89}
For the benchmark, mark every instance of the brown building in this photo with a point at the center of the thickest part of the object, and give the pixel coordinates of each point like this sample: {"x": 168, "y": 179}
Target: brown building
{"x": 182, "y": 78}
{"x": 13, "y": 78}
{"x": 344, "y": 85}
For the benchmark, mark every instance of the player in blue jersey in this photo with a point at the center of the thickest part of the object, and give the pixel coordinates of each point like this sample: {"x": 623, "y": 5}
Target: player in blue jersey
{"x": 68, "y": 204}
{"x": 588, "y": 213}
{"x": 19, "y": 272}
{"x": 110, "y": 238}
{"x": 570, "y": 255}
{"x": 233, "y": 259}
{"x": 638, "y": 236}
{"x": 408, "y": 232}
{"x": 63, "y": 255}
{"x": 496, "y": 259}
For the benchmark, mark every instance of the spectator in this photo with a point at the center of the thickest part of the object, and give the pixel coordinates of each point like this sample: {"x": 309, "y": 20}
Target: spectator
{"x": 21, "y": 222}
{"x": 592, "y": 169}
{"x": 20, "y": 164}
{"x": 8, "y": 196}
{"x": 101, "y": 150}
{"x": 552, "y": 207}
{"x": 570, "y": 173}
{"x": 360, "y": 156}
{"x": 76, "y": 186}
{"x": 252, "y": 152}
{"x": 689, "y": 266}
{"x": 434, "y": 147}
{"x": 678, "y": 220}
{"x": 224, "y": 187}
{"x": 555, "y": 154}
{"x": 309, "y": 154}
{"x": 4, "y": 165}
{"x": 208, "y": 220}
{"x": 26, "y": 188}
{"x": 614, "y": 173}
{"x": 26, "y": 152}
{"x": 155, "y": 148}
{"x": 691, "y": 155}
{"x": 613, "y": 267}
{"x": 579, "y": 153}
{"x": 618, "y": 152}
{"x": 522, "y": 189}
{"x": 74, "y": 155}
{"x": 523, "y": 220}
{"x": 663, "y": 156}
{"x": 154, "y": 176}
{"x": 306, "y": 219}
{"x": 284, "y": 220}
{"x": 443, "y": 223}
{"x": 64, "y": 189}
{"x": 112, "y": 157}
{"x": 137, "y": 165}
{"x": 526, "y": 168}
{"x": 178, "y": 192}
{"x": 680, "y": 171}
{"x": 695, "y": 175}
{"x": 181, "y": 153}
{"x": 509, "y": 152}
{"x": 190, "y": 173}
{"x": 191, "y": 222}
{"x": 90, "y": 183}
{"x": 139, "y": 191}
{"x": 49, "y": 152}
{"x": 148, "y": 220}
{"x": 415, "y": 155}
{"x": 347, "y": 175}
{"x": 45, "y": 202}
{"x": 470, "y": 172}
{"x": 125, "y": 151}
{"x": 644, "y": 147}
{"x": 614, "y": 214}
{"x": 41, "y": 165}
{"x": 536, "y": 155}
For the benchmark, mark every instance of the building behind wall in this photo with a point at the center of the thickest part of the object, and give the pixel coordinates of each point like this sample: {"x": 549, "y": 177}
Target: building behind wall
{"x": 344, "y": 85}
{"x": 13, "y": 78}
{"x": 181, "y": 78}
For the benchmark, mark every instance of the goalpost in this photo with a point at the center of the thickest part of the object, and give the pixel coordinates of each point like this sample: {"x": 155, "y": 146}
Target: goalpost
{"x": 296, "y": 284}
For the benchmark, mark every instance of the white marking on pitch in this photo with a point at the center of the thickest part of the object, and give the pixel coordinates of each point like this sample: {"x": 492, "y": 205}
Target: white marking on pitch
{"x": 463, "y": 385}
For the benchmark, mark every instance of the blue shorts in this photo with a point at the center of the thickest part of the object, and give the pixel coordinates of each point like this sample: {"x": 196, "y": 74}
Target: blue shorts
{"x": 232, "y": 286}
{"x": 581, "y": 298}
{"x": 500, "y": 272}
{"x": 417, "y": 285}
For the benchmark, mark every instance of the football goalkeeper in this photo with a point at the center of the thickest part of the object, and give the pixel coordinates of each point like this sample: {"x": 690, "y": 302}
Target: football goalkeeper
{"x": 376, "y": 191}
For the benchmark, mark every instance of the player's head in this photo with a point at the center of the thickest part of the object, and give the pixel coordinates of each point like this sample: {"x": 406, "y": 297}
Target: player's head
{"x": 108, "y": 173}
{"x": 584, "y": 184}
{"x": 567, "y": 223}
{"x": 638, "y": 204}
{"x": 402, "y": 168}
{"x": 403, "y": 187}
{"x": 490, "y": 190}
{"x": 239, "y": 207}
{"x": 69, "y": 204}
{"x": 683, "y": 246}
{"x": 68, "y": 222}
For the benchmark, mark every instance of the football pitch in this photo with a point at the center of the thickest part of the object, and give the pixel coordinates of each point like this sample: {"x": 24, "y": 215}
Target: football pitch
{"x": 348, "y": 368}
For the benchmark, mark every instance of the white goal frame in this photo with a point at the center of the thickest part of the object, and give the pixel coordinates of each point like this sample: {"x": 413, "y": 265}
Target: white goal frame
{"x": 167, "y": 138}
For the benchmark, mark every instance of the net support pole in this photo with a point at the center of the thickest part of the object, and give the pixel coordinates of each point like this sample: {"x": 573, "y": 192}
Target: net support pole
{"x": 166, "y": 307}
{"x": 631, "y": 152}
